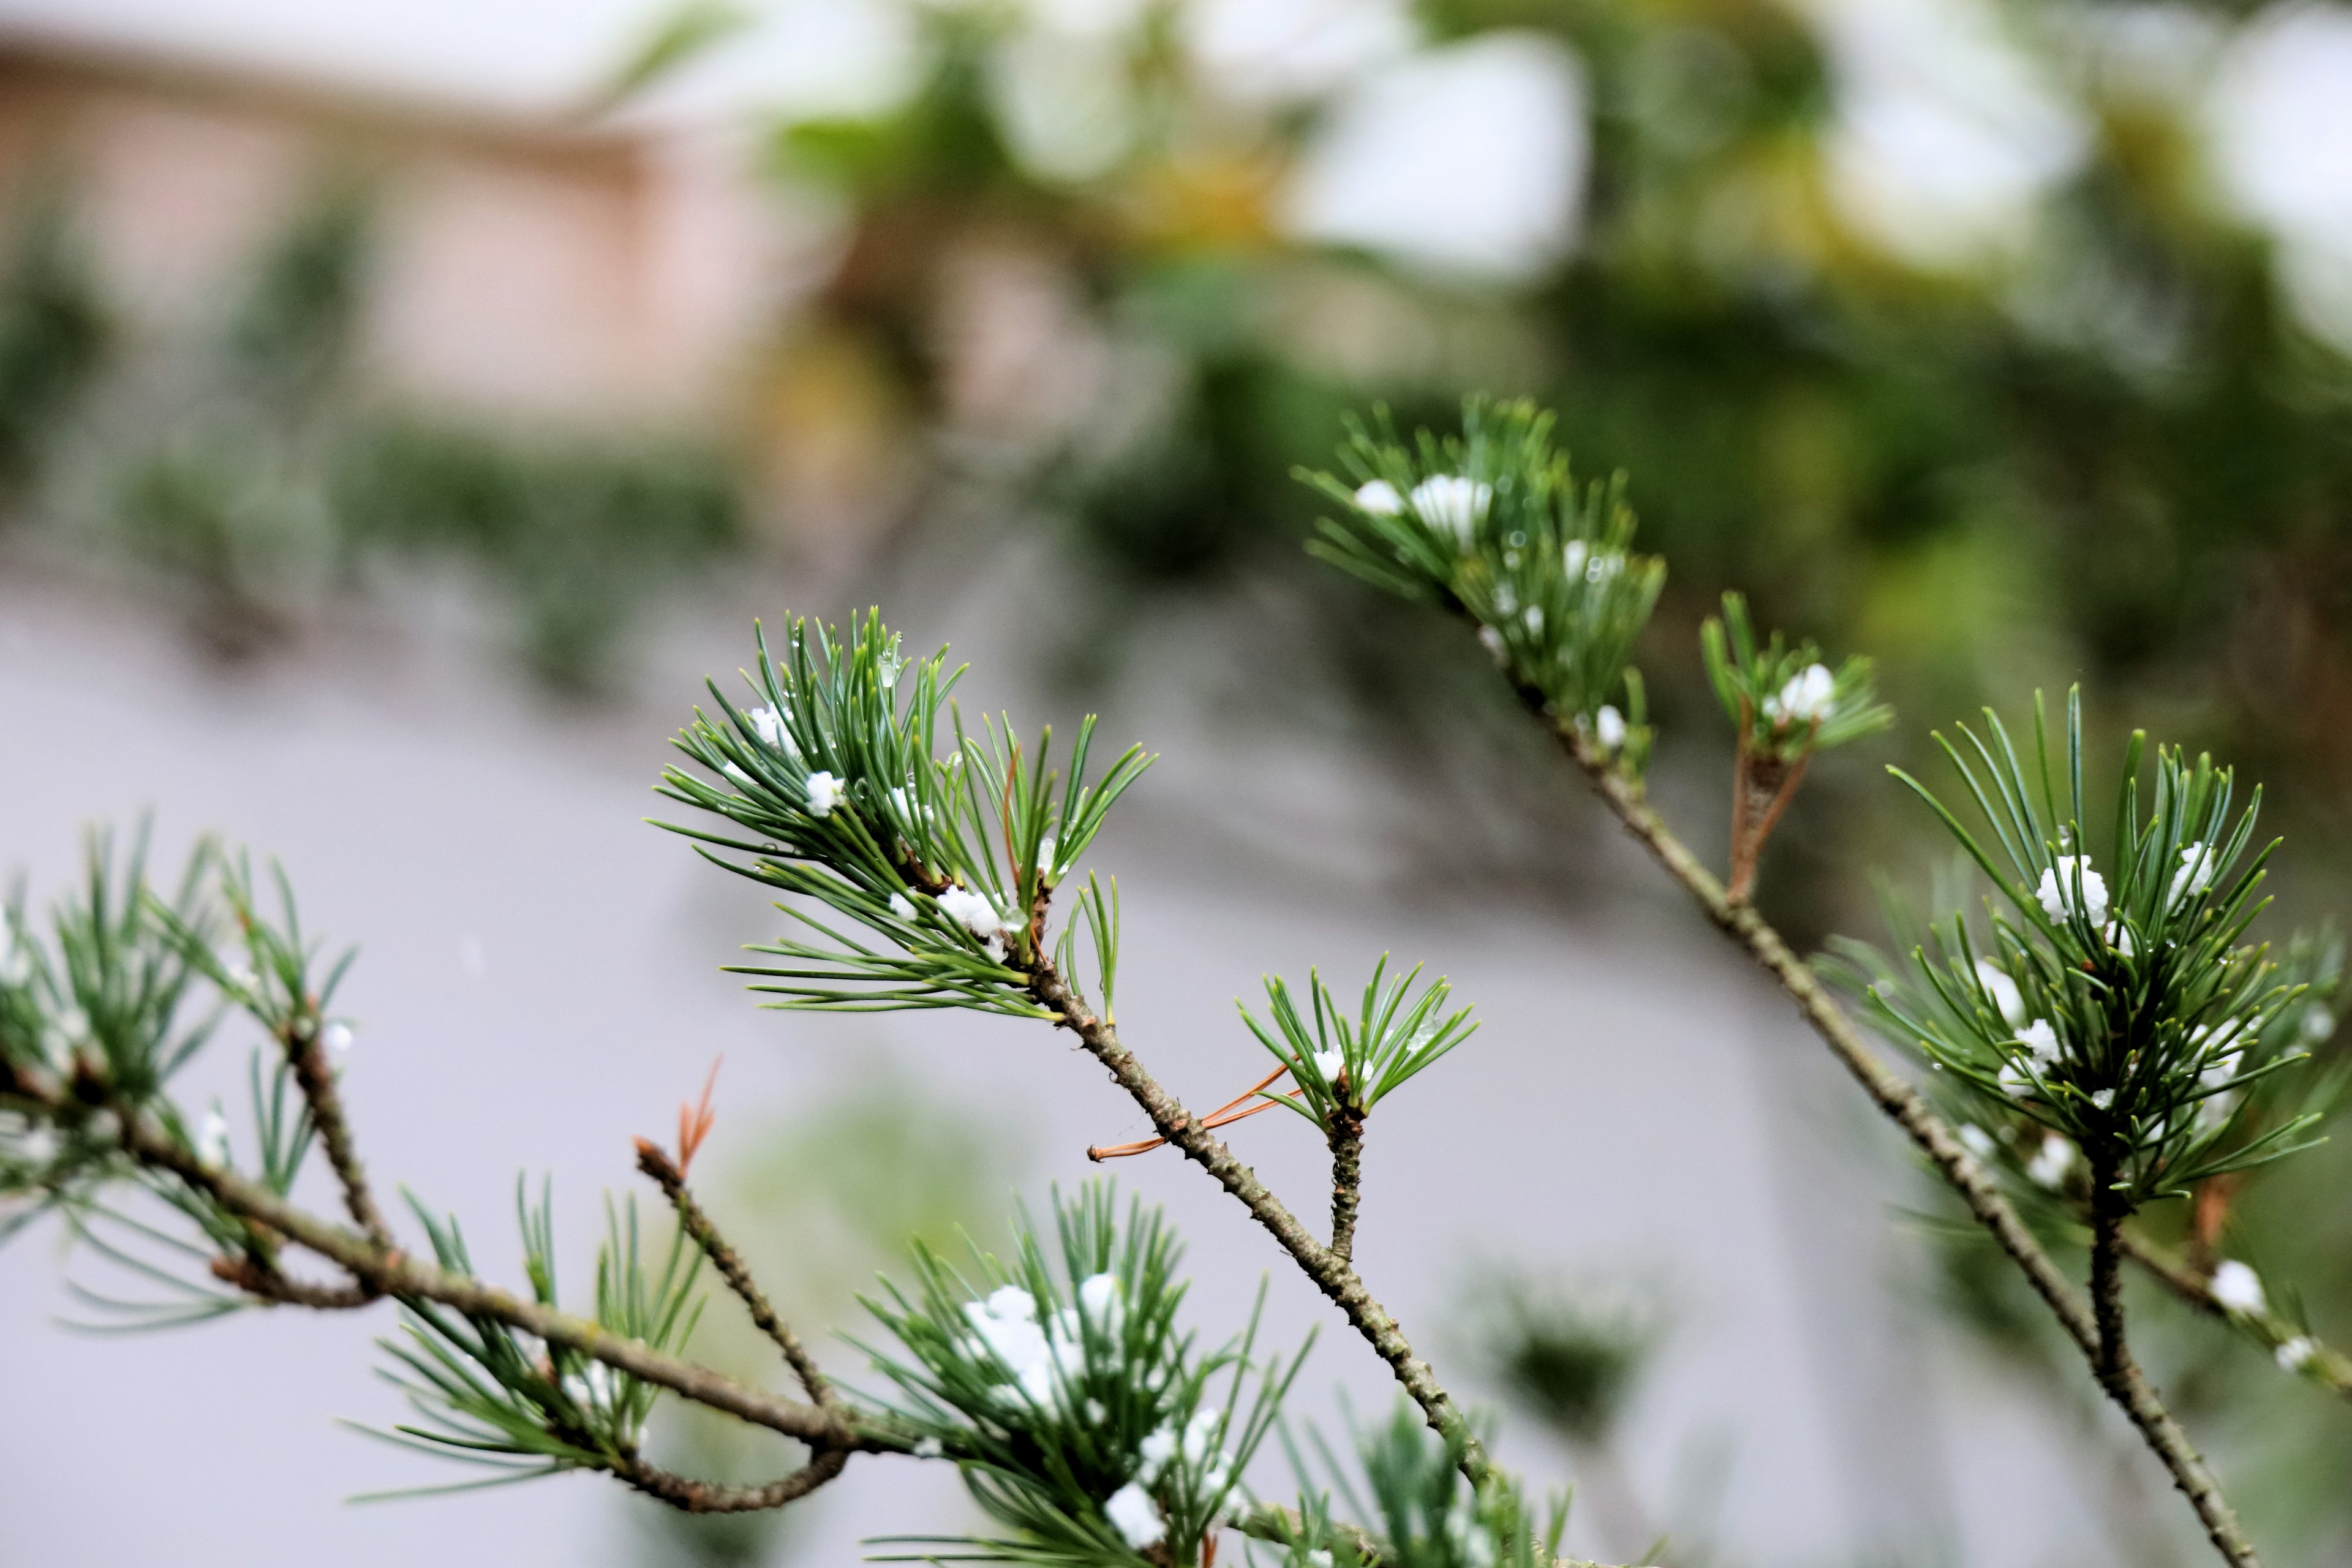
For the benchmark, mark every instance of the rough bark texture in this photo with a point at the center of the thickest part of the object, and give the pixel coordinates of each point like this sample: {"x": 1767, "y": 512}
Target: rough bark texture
{"x": 1331, "y": 1273}
{"x": 689, "y": 1496}
{"x": 723, "y": 1257}
{"x": 316, "y": 1076}
{"x": 1347, "y": 1180}
{"x": 2120, "y": 1375}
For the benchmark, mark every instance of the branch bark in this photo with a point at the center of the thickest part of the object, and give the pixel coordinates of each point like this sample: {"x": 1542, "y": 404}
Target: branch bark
{"x": 731, "y": 1269}
{"x": 316, "y": 1078}
{"x": 389, "y": 1271}
{"x": 690, "y": 1496}
{"x": 2120, "y": 1375}
{"x": 1272, "y": 1521}
{"x": 1347, "y": 1180}
{"x": 1332, "y": 1274}
{"x": 264, "y": 1283}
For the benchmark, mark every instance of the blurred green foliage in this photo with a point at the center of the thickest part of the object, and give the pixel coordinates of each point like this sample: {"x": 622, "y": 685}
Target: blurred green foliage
{"x": 1570, "y": 1358}
{"x": 53, "y": 333}
{"x": 261, "y": 480}
{"x": 2112, "y": 451}
{"x": 578, "y": 535}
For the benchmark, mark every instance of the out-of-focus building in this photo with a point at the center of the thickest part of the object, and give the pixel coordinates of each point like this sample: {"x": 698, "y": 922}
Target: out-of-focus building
{"x": 525, "y": 263}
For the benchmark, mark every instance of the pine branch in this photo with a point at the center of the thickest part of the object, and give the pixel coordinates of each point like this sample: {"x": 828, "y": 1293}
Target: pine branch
{"x": 656, "y": 1165}
{"x": 264, "y": 1283}
{"x": 1909, "y": 1109}
{"x": 1347, "y": 1180}
{"x": 1273, "y": 1522}
{"x": 316, "y": 1076}
{"x": 389, "y": 1271}
{"x": 1330, "y": 1272}
{"x": 2120, "y": 1375}
{"x": 690, "y": 1496}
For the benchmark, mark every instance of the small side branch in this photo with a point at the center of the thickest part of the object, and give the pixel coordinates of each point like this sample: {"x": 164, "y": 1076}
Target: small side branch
{"x": 264, "y": 1283}
{"x": 1347, "y": 1180}
{"x": 316, "y": 1078}
{"x": 2120, "y": 1374}
{"x": 666, "y": 1175}
{"x": 1761, "y": 789}
{"x": 388, "y": 1271}
{"x": 1909, "y": 1109}
{"x": 1331, "y": 1273}
{"x": 690, "y": 1496}
{"x": 1273, "y": 1522}
{"x": 2108, "y": 1210}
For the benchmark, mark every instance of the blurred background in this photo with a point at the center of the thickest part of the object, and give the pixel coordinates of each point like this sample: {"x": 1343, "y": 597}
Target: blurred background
{"x": 402, "y": 406}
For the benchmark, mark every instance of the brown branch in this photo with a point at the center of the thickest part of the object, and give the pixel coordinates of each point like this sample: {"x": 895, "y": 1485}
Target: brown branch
{"x": 1347, "y": 1179}
{"x": 1762, "y": 783}
{"x": 1907, "y": 1108}
{"x": 690, "y": 1496}
{"x": 731, "y": 1269}
{"x": 1895, "y": 1096}
{"x": 392, "y": 1273}
{"x": 2108, "y": 1210}
{"x": 1331, "y": 1273}
{"x": 316, "y": 1076}
{"x": 2120, "y": 1375}
{"x": 1273, "y": 1523}
{"x": 266, "y": 1284}
{"x": 2325, "y": 1365}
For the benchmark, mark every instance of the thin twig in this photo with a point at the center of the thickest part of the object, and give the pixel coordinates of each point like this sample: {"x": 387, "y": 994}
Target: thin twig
{"x": 690, "y": 1496}
{"x": 2109, "y": 1209}
{"x": 316, "y": 1076}
{"x": 2120, "y": 1375}
{"x": 1273, "y": 1523}
{"x": 266, "y": 1284}
{"x": 392, "y": 1273}
{"x": 1331, "y": 1273}
{"x": 1909, "y": 1109}
{"x": 731, "y": 1269}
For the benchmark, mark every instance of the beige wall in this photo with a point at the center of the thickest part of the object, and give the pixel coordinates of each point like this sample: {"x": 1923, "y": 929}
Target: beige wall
{"x": 538, "y": 270}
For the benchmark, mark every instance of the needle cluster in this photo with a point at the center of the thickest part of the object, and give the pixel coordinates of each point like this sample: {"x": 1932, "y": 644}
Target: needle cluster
{"x": 2110, "y": 998}
{"x": 1492, "y": 522}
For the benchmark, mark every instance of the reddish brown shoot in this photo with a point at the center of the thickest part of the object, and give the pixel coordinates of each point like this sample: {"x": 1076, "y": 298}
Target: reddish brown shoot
{"x": 1233, "y": 1110}
{"x": 1761, "y": 788}
{"x": 694, "y": 1121}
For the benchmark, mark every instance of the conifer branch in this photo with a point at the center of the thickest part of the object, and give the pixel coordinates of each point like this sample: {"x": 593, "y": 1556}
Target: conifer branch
{"x": 690, "y": 1496}
{"x": 666, "y": 1175}
{"x": 264, "y": 1283}
{"x": 1331, "y": 1272}
{"x": 316, "y": 1078}
{"x": 1347, "y": 1179}
{"x": 1273, "y": 1522}
{"x": 2120, "y": 1375}
{"x": 389, "y": 1271}
{"x": 1903, "y": 1104}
